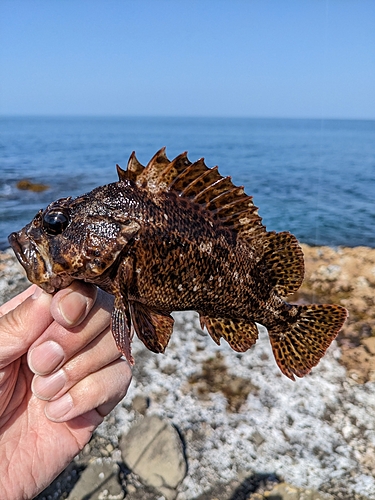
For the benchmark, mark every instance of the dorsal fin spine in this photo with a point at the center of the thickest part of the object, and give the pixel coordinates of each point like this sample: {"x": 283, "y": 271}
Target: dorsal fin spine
{"x": 122, "y": 174}
{"x": 168, "y": 174}
{"x": 235, "y": 203}
{"x": 199, "y": 179}
{"x": 210, "y": 192}
{"x": 183, "y": 179}
{"x": 217, "y": 202}
{"x": 134, "y": 168}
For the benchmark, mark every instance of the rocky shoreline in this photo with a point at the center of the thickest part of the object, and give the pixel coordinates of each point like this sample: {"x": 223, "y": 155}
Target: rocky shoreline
{"x": 210, "y": 423}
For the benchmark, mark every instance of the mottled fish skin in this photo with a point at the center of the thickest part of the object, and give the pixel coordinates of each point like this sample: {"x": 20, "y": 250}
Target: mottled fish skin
{"x": 175, "y": 236}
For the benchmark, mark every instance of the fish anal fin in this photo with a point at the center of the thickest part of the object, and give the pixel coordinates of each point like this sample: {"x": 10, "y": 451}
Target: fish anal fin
{"x": 121, "y": 327}
{"x": 239, "y": 333}
{"x": 153, "y": 328}
{"x": 282, "y": 256}
{"x": 300, "y": 346}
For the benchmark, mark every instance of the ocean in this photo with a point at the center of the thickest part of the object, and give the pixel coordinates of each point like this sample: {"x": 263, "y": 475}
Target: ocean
{"x": 314, "y": 178}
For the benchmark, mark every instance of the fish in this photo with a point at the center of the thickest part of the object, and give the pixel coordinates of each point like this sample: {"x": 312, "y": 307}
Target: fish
{"x": 176, "y": 236}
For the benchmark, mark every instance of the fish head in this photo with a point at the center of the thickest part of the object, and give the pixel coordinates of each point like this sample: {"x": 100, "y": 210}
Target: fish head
{"x": 72, "y": 239}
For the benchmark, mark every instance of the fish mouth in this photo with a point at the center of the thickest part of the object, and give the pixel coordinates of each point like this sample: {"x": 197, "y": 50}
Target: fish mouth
{"x": 38, "y": 267}
{"x": 19, "y": 250}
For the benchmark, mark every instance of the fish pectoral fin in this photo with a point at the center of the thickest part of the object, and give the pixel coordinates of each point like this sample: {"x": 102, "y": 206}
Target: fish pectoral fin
{"x": 121, "y": 327}
{"x": 239, "y": 333}
{"x": 300, "y": 347}
{"x": 153, "y": 328}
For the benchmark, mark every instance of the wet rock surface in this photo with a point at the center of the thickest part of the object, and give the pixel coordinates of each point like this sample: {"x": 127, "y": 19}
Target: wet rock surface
{"x": 246, "y": 431}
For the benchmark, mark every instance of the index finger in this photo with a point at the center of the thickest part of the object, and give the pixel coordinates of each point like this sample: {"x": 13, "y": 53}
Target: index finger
{"x": 22, "y": 325}
{"x": 17, "y": 300}
{"x": 70, "y": 306}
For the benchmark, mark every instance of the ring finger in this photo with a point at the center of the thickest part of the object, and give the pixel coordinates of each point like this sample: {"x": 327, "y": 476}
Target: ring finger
{"x": 101, "y": 390}
{"x": 97, "y": 354}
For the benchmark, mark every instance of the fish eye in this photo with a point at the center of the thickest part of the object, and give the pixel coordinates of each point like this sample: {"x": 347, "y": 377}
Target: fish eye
{"x": 55, "y": 221}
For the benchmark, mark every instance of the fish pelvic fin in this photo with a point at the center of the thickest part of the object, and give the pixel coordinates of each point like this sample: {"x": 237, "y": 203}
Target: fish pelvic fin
{"x": 153, "y": 328}
{"x": 281, "y": 256}
{"x": 299, "y": 346}
{"x": 240, "y": 334}
{"x": 121, "y": 328}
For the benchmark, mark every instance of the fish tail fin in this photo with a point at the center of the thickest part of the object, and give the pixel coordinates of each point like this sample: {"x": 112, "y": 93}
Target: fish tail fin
{"x": 300, "y": 344}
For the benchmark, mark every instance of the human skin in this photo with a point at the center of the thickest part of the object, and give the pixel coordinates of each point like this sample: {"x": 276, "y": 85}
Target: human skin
{"x": 60, "y": 375}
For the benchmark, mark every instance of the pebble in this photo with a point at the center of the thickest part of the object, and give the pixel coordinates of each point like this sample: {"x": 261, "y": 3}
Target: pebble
{"x": 140, "y": 404}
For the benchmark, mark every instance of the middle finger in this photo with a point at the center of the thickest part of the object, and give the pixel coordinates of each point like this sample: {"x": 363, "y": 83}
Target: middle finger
{"x": 57, "y": 345}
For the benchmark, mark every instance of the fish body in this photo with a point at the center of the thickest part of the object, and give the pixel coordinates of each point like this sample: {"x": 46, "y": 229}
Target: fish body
{"x": 174, "y": 236}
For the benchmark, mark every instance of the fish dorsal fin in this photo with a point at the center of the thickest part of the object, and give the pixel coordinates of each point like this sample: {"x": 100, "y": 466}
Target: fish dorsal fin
{"x": 226, "y": 202}
{"x": 150, "y": 177}
{"x": 133, "y": 169}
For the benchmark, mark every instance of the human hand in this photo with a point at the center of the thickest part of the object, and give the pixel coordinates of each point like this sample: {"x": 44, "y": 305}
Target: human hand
{"x": 60, "y": 374}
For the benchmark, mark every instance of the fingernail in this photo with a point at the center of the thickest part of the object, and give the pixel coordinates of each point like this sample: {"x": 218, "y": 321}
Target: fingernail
{"x": 45, "y": 357}
{"x": 37, "y": 293}
{"x": 47, "y": 387}
{"x": 57, "y": 409}
{"x": 73, "y": 307}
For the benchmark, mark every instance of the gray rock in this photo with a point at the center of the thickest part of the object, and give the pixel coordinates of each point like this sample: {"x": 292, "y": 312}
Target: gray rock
{"x": 12, "y": 276}
{"x": 99, "y": 481}
{"x": 153, "y": 450}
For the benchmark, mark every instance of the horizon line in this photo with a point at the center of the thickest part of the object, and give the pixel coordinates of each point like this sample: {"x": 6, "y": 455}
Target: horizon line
{"x": 156, "y": 116}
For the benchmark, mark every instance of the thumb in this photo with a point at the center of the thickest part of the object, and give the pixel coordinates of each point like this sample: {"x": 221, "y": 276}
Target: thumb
{"x": 22, "y": 325}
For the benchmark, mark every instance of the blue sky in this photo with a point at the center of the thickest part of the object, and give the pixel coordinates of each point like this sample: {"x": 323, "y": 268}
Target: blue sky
{"x": 256, "y": 58}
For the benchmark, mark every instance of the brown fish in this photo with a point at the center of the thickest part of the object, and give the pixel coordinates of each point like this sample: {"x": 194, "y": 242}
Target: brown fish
{"x": 173, "y": 236}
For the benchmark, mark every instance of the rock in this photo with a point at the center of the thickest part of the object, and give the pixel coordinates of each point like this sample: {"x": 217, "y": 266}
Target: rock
{"x": 12, "y": 276}
{"x": 153, "y": 449}
{"x": 99, "y": 481}
{"x": 369, "y": 343}
{"x": 27, "y": 185}
{"x": 140, "y": 404}
{"x": 284, "y": 491}
{"x": 359, "y": 362}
